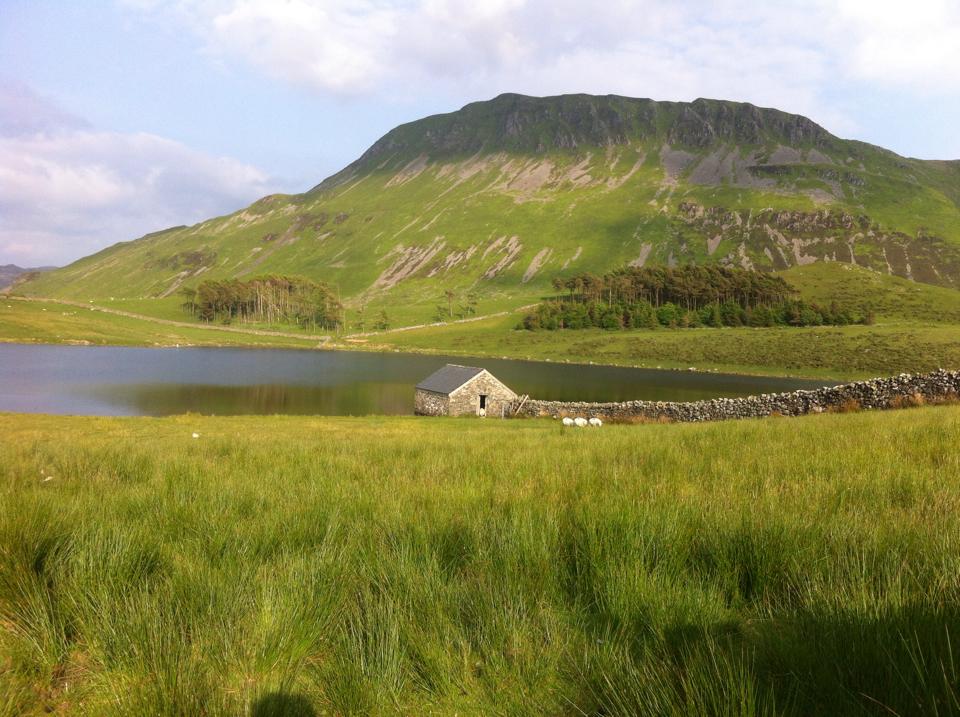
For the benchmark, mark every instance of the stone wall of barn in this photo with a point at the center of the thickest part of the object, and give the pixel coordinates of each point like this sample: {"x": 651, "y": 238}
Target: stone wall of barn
{"x": 877, "y": 393}
{"x": 428, "y": 403}
{"x": 466, "y": 399}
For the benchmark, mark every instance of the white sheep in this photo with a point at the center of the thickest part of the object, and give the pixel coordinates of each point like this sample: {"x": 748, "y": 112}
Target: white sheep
{"x": 567, "y": 421}
{"x": 596, "y": 422}
{"x": 580, "y": 422}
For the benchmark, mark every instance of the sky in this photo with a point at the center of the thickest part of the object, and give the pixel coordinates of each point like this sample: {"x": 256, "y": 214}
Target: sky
{"x": 122, "y": 117}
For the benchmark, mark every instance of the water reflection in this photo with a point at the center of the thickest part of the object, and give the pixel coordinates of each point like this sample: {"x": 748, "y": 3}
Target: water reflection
{"x": 140, "y": 381}
{"x": 263, "y": 399}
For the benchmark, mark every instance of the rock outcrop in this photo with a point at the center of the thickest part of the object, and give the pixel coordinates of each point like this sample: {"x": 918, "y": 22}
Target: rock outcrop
{"x": 779, "y": 239}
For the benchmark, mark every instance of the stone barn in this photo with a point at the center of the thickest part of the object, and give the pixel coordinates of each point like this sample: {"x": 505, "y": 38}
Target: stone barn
{"x": 462, "y": 391}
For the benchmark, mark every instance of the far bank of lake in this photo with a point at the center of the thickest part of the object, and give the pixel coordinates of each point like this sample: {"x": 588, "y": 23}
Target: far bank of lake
{"x": 118, "y": 381}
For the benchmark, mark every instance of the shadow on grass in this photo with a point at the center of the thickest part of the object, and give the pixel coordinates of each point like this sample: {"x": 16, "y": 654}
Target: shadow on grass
{"x": 282, "y": 704}
{"x": 904, "y": 661}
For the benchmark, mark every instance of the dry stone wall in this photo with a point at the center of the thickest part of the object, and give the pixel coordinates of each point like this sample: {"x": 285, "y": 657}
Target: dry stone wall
{"x": 876, "y": 393}
{"x": 428, "y": 403}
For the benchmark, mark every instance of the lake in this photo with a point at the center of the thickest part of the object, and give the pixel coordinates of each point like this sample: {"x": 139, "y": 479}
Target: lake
{"x": 120, "y": 381}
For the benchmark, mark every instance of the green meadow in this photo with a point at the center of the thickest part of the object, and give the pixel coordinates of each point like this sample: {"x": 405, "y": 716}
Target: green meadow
{"x": 270, "y": 566}
{"x": 379, "y": 566}
{"x": 51, "y": 322}
{"x": 846, "y": 352}
{"x": 917, "y": 329}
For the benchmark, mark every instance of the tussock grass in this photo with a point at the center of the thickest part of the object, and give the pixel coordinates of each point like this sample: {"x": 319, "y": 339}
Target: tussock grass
{"x": 382, "y": 566}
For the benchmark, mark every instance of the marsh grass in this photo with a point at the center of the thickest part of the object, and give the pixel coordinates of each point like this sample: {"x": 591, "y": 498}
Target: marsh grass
{"x": 381, "y": 566}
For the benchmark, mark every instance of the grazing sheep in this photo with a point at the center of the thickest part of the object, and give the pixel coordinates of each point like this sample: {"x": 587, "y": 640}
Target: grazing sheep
{"x": 196, "y": 435}
{"x": 567, "y": 421}
{"x": 596, "y": 422}
{"x": 580, "y": 422}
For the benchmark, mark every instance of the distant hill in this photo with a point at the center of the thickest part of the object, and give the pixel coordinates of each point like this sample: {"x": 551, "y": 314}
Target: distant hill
{"x": 500, "y": 196}
{"x": 9, "y": 273}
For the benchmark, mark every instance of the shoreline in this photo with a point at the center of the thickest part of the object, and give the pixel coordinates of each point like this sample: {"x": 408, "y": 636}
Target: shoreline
{"x": 81, "y": 343}
{"x": 141, "y": 334}
{"x": 329, "y": 342}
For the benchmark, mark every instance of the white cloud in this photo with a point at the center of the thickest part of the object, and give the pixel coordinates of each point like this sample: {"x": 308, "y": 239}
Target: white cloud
{"x": 341, "y": 46}
{"x": 790, "y": 53}
{"x": 359, "y": 46}
{"x": 67, "y": 190}
{"x": 915, "y": 44}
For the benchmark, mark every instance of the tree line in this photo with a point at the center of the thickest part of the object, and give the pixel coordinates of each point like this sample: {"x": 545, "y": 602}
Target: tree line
{"x": 692, "y": 287}
{"x": 681, "y": 297}
{"x": 265, "y": 299}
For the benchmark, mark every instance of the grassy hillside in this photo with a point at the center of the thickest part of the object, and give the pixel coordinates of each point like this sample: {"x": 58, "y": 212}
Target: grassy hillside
{"x": 402, "y": 566}
{"x": 917, "y": 329}
{"x": 498, "y": 198}
{"x": 819, "y": 352}
{"x": 891, "y": 298}
{"x": 53, "y": 323}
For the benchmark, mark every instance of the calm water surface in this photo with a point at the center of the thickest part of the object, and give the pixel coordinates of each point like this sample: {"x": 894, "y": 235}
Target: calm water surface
{"x": 115, "y": 381}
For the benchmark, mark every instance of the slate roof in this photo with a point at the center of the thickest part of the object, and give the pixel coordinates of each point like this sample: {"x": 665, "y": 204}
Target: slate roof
{"x": 449, "y": 378}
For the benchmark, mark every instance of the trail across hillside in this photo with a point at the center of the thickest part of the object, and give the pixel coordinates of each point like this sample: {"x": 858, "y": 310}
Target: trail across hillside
{"x": 438, "y": 323}
{"x": 170, "y": 322}
{"x": 321, "y": 338}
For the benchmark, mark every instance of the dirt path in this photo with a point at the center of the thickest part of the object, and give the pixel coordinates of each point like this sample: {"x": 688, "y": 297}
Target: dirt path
{"x": 170, "y": 322}
{"x": 437, "y": 323}
{"x": 257, "y": 332}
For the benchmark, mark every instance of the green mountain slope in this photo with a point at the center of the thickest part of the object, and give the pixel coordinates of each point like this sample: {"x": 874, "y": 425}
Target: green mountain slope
{"x": 501, "y": 196}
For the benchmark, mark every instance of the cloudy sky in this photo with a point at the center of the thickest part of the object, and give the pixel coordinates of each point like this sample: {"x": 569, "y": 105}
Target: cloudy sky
{"x": 121, "y": 117}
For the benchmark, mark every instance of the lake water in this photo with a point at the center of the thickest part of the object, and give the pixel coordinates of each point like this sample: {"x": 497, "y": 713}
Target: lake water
{"x": 116, "y": 381}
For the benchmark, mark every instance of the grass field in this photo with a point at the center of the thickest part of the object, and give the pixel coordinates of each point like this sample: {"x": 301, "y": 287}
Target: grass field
{"x": 889, "y": 297}
{"x": 822, "y": 352}
{"x": 400, "y": 566}
{"x": 917, "y": 329}
{"x": 55, "y": 323}
{"x": 846, "y": 352}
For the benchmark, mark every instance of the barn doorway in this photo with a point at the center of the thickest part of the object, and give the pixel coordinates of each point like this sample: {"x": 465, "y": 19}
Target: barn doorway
{"x": 483, "y": 405}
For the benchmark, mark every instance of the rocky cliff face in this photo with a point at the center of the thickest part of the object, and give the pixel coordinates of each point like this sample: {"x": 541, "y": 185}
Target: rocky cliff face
{"x": 771, "y": 239}
{"x": 517, "y": 123}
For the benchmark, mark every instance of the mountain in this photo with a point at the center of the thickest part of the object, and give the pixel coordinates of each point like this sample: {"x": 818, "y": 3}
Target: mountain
{"x": 500, "y": 196}
{"x": 9, "y": 273}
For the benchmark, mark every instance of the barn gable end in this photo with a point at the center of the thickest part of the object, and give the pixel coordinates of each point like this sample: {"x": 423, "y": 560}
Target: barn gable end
{"x": 462, "y": 390}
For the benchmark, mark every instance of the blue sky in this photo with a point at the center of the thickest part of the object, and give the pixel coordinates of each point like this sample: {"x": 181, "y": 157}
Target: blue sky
{"x": 121, "y": 117}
